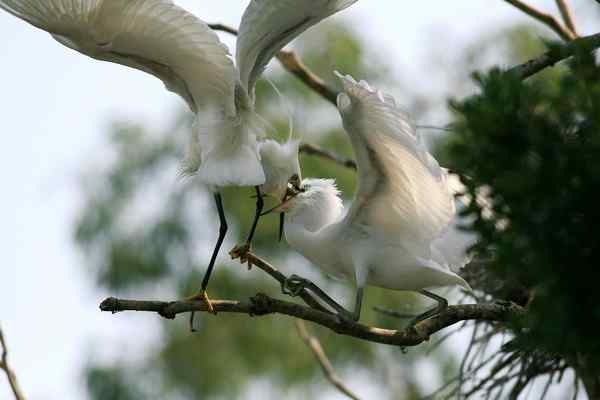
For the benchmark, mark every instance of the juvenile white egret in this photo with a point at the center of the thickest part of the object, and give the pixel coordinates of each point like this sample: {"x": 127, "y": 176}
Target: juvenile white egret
{"x": 398, "y": 232}
{"x": 160, "y": 38}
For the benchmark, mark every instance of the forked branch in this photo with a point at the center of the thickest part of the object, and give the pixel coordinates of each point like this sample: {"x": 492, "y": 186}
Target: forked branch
{"x": 547, "y": 19}
{"x": 262, "y": 304}
{"x": 567, "y": 16}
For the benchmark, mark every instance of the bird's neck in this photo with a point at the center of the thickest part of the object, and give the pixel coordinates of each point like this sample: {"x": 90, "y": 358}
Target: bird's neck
{"x": 307, "y": 231}
{"x": 302, "y": 240}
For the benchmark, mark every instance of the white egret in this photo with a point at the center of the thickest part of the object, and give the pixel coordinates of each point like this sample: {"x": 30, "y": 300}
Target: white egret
{"x": 163, "y": 39}
{"x": 398, "y": 233}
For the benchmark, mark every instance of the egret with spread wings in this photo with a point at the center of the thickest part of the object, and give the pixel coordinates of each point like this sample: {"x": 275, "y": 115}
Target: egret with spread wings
{"x": 227, "y": 146}
{"x": 398, "y": 233}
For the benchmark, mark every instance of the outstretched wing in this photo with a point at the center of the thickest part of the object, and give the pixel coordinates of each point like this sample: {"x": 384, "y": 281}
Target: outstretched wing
{"x": 154, "y": 36}
{"x": 268, "y": 25}
{"x": 402, "y": 191}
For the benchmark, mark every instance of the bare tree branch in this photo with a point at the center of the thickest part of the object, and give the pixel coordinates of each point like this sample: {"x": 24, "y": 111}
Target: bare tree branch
{"x": 290, "y": 61}
{"x": 314, "y": 150}
{"x": 12, "y": 378}
{"x": 262, "y": 304}
{"x": 546, "y": 19}
{"x": 223, "y": 28}
{"x": 567, "y": 16}
{"x": 294, "y": 65}
{"x": 548, "y": 59}
{"x": 315, "y": 346}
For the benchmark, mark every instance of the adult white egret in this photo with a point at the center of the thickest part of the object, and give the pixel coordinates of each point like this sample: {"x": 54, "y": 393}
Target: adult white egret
{"x": 398, "y": 233}
{"x": 161, "y": 38}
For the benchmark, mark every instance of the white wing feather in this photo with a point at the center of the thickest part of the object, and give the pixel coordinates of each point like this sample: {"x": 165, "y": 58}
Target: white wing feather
{"x": 154, "y": 36}
{"x": 402, "y": 191}
{"x": 267, "y": 26}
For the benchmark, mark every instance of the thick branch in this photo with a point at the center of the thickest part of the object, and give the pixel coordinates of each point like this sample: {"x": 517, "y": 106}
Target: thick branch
{"x": 262, "y": 304}
{"x": 567, "y": 16}
{"x": 548, "y": 59}
{"x": 290, "y": 61}
{"x": 546, "y": 19}
{"x": 315, "y": 346}
{"x": 313, "y": 150}
{"x": 12, "y": 378}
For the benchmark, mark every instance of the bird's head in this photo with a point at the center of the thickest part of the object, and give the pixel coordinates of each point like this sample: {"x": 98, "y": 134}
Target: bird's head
{"x": 280, "y": 164}
{"x": 313, "y": 203}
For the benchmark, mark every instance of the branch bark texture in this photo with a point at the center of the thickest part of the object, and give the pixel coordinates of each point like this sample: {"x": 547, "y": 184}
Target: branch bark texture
{"x": 261, "y": 304}
{"x": 12, "y": 378}
{"x": 550, "y": 58}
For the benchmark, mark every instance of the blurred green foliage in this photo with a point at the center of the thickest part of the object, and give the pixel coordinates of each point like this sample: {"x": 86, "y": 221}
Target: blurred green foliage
{"x": 534, "y": 146}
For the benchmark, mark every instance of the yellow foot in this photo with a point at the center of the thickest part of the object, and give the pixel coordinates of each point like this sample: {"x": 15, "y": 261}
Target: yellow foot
{"x": 203, "y": 296}
{"x": 241, "y": 252}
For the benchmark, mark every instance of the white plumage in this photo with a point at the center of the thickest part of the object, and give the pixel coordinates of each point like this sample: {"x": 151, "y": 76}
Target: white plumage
{"x": 398, "y": 233}
{"x": 163, "y": 39}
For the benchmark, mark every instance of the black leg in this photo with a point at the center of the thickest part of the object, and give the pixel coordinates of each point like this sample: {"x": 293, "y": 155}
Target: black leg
{"x": 357, "y": 304}
{"x": 294, "y": 285}
{"x": 222, "y": 232}
{"x": 259, "y": 207}
{"x": 442, "y": 305}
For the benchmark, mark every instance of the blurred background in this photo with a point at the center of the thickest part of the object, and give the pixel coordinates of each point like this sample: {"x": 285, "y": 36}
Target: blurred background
{"x": 91, "y": 207}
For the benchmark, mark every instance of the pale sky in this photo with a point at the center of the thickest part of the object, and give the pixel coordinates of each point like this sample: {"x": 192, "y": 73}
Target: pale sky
{"x": 56, "y": 105}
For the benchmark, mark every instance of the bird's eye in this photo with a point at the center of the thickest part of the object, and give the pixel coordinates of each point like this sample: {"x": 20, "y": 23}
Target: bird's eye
{"x": 295, "y": 181}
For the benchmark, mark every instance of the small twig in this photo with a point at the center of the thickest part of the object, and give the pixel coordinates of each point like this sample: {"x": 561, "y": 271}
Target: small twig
{"x": 548, "y": 59}
{"x": 546, "y": 19}
{"x": 223, "y": 28}
{"x": 12, "y": 378}
{"x": 290, "y": 61}
{"x": 313, "y": 150}
{"x": 315, "y": 346}
{"x": 567, "y": 16}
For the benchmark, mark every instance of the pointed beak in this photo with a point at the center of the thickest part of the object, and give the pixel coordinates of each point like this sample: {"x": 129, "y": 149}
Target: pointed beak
{"x": 281, "y": 208}
{"x": 281, "y": 224}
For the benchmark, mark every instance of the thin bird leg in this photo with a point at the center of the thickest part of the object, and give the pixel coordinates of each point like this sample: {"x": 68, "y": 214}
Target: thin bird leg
{"x": 241, "y": 251}
{"x": 357, "y": 304}
{"x": 222, "y": 232}
{"x": 442, "y": 305}
{"x": 259, "y": 207}
{"x": 293, "y": 285}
